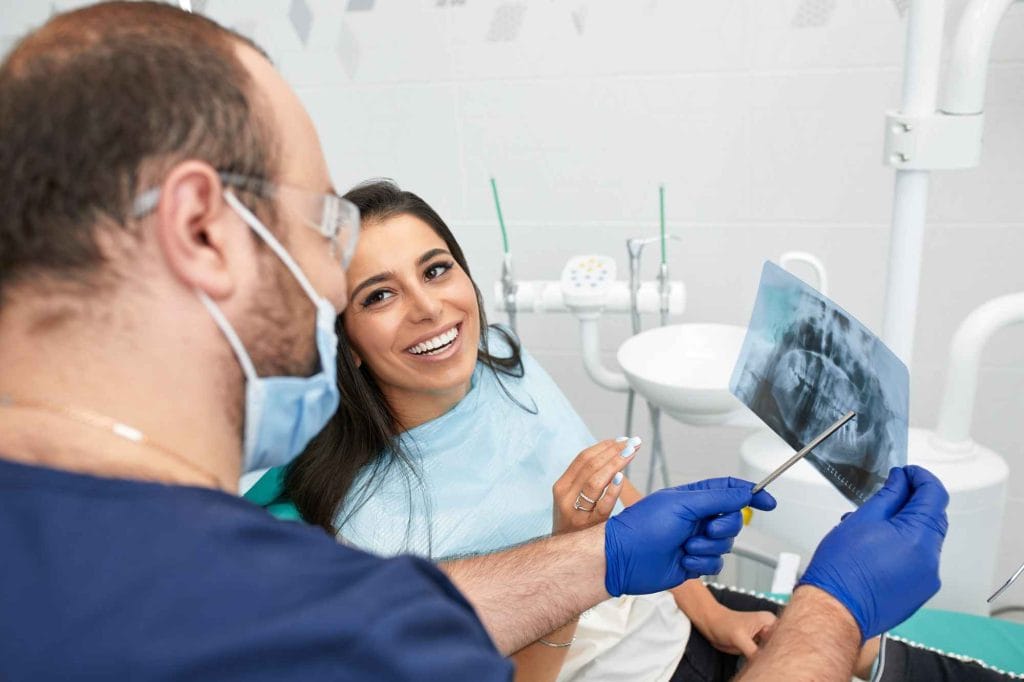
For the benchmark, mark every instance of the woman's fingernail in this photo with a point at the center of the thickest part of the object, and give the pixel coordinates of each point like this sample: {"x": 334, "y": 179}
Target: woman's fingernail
{"x": 628, "y": 450}
{"x": 635, "y": 441}
{"x": 617, "y": 479}
{"x": 621, "y": 439}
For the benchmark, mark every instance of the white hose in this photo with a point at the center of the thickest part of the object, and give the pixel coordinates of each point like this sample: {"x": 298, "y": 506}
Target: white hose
{"x": 969, "y": 57}
{"x": 602, "y": 376}
{"x": 957, "y": 409}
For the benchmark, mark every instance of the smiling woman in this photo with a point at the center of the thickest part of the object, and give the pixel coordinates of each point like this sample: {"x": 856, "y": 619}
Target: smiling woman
{"x": 409, "y": 343}
{"x": 415, "y": 317}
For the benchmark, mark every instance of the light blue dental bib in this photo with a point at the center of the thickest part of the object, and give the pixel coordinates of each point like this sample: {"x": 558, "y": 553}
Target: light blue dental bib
{"x": 485, "y": 468}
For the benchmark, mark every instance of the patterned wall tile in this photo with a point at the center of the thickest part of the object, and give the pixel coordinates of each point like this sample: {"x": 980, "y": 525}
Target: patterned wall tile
{"x": 507, "y": 22}
{"x": 302, "y": 19}
{"x": 814, "y": 13}
{"x": 347, "y": 50}
{"x": 579, "y": 19}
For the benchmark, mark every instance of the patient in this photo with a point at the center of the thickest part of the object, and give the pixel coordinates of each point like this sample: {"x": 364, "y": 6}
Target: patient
{"x": 455, "y": 439}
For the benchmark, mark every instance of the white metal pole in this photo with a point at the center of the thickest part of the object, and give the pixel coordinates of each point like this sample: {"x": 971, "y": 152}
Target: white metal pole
{"x": 910, "y": 202}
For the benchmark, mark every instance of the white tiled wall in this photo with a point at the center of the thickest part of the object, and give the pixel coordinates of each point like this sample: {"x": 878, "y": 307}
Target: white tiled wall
{"x": 763, "y": 118}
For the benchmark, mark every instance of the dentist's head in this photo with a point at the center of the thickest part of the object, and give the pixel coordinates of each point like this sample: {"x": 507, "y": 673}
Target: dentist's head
{"x": 171, "y": 249}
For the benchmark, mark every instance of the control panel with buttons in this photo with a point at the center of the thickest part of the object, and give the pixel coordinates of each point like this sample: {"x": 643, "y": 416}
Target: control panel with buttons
{"x": 586, "y": 281}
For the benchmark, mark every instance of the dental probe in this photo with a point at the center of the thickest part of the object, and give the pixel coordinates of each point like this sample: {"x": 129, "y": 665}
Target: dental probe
{"x": 804, "y": 451}
{"x": 1009, "y": 582}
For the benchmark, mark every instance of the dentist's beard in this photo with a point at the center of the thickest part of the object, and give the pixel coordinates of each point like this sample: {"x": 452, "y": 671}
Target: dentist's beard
{"x": 279, "y": 329}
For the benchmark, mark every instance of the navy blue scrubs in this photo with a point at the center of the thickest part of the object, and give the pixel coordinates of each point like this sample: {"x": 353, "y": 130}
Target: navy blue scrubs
{"x": 120, "y": 580}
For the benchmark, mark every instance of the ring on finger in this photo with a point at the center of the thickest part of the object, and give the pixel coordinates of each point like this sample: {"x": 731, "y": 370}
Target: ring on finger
{"x": 580, "y": 499}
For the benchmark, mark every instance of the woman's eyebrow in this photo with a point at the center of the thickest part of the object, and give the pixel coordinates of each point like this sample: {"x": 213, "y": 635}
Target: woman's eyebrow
{"x": 385, "y": 276}
{"x": 430, "y": 254}
{"x": 370, "y": 281}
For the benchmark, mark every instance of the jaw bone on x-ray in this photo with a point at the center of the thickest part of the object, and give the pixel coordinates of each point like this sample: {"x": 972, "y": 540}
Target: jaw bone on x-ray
{"x": 806, "y": 362}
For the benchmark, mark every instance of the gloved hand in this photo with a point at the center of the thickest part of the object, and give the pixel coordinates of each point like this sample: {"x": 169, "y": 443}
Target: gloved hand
{"x": 882, "y": 561}
{"x": 676, "y": 534}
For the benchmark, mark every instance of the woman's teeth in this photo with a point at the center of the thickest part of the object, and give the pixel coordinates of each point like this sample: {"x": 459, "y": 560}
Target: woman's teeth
{"x": 436, "y": 344}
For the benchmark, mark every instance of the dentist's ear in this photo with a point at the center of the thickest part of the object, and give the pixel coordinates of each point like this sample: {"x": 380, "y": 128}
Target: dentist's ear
{"x": 197, "y": 232}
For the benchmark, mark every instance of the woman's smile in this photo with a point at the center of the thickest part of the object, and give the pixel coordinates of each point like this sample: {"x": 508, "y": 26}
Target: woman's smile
{"x": 438, "y": 347}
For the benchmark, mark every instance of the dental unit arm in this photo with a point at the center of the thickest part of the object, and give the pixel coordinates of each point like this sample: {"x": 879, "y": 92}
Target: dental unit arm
{"x": 949, "y": 137}
{"x": 925, "y": 135}
{"x": 588, "y": 289}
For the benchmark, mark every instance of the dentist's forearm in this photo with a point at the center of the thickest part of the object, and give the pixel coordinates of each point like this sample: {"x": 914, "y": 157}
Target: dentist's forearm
{"x": 816, "y": 639}
{"x": 523, "y": 593}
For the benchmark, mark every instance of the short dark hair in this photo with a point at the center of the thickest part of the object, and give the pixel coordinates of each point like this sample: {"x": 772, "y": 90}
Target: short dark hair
{"x": 99, "y": 102}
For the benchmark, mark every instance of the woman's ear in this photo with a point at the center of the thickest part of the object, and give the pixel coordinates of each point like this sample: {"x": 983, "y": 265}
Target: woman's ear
{"x": 357, "y": 358}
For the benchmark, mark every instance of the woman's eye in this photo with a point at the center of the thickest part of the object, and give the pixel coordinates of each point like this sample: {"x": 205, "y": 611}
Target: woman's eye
{"x": 376, "y": 297}
{"x": 437, "y": 269}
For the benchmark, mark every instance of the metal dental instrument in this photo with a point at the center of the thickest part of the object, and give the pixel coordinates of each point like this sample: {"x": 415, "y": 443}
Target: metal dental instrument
{"x": 805, "y": 451}
{"x": 635, "y": 247}
{"x": 1009, "y": 582}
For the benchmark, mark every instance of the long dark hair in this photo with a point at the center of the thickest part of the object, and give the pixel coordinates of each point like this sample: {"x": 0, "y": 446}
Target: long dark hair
{"x": 363, "y": 433}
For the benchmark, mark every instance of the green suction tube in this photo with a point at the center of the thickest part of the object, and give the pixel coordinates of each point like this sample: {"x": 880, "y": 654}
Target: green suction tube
{"x": 508, "y": 285}
{"x": 501, "y": 218}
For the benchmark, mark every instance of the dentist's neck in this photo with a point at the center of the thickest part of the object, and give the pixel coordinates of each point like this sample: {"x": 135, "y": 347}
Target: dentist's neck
{"x": 136, "y": 377}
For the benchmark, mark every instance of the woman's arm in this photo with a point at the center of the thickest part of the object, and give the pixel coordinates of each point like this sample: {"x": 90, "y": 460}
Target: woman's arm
{"x": 728, "y": 630}
{"x": 540, "y": 662}
{"x": 734, "y": 632}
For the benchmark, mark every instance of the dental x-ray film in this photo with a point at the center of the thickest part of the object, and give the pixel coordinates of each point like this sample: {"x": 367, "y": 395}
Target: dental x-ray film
{"x": 806, "y": 362}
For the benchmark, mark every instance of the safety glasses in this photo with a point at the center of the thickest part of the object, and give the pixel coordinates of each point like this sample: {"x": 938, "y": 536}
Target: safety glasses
{"x": 332, "y": 216}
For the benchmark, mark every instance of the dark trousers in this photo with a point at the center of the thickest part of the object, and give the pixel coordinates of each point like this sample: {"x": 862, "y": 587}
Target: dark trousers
{"x": 900, "y": 661}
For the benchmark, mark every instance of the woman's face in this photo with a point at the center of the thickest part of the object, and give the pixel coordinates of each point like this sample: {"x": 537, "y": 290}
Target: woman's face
{"x": 413, "y": 316}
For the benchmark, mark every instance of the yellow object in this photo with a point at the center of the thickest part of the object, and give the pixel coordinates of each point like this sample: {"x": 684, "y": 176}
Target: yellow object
{"x": 748, "y": 514}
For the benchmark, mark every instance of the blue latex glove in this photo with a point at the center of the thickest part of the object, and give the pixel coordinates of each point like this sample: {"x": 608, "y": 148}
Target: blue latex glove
{"x": 882, "y": 561}
{"x": 676, "y": 534}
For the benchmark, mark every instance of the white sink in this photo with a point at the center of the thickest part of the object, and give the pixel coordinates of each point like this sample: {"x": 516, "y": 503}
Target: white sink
{"x": 685, "y": 370}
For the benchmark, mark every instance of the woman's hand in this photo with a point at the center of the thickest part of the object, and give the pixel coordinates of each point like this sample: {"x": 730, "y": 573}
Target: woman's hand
{"x": 586, "y": 493}
{"x": 738, "y": 632}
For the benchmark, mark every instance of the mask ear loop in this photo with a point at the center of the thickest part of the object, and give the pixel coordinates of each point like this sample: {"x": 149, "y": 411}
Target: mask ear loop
{"x": 229, "y": 332}
{"x": 275, "y": 246}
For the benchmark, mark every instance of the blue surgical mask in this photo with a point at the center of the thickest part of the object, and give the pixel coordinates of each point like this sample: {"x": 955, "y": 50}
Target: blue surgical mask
{"x": 282, "y": 414}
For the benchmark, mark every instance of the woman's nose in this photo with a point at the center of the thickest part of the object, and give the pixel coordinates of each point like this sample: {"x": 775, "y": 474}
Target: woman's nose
{"x": 424, "y": 306}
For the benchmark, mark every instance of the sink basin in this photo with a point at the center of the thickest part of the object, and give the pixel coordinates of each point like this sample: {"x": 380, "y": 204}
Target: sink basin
{"x": 685, "y": 369}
